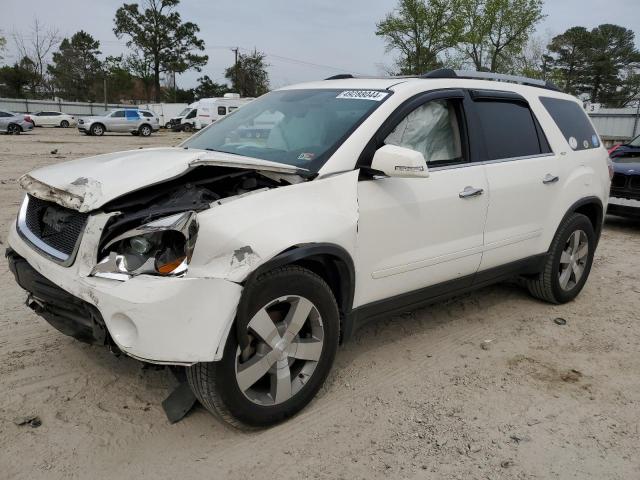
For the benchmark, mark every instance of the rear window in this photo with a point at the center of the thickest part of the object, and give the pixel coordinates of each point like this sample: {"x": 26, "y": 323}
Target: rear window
{"x": 509, "y": 130}
{"x": 572, "y": 122}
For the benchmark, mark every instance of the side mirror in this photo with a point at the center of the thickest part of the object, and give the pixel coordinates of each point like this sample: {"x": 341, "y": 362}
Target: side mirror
{"x": 401, "y": 162}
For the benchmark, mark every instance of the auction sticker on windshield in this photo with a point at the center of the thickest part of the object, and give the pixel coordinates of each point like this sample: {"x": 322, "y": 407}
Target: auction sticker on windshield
{"x": 363, "y": 95}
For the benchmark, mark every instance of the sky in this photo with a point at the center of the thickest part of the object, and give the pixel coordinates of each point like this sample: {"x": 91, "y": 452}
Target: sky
{"x": 303, "y": 39}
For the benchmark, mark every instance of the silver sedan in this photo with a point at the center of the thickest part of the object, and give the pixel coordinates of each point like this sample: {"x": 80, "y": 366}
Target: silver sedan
{"x": 14, "y": 122}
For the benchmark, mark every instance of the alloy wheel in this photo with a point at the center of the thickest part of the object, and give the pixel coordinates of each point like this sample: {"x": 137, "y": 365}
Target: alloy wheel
{"x": 573, "y": 260}
{"x": 286, "y": 340}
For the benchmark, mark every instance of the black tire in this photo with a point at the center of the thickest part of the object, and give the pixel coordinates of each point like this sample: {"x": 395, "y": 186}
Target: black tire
{"x": 97, "y": 129}
{"x": 187, "y": 127}
{"x": 167, "y": 125}
{"x": 144, "y": 130}
{"x": 135, "y": 134}
{"x": 215, "y": 383}
{"x": 64, "y": 124}
{"x": 14, "y": 128}
{"x": 546, "y": 285}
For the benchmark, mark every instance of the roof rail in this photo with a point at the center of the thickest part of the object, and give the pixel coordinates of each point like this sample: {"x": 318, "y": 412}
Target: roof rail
{"x": 499, "y": 77}
{"x": 340, "y": 76}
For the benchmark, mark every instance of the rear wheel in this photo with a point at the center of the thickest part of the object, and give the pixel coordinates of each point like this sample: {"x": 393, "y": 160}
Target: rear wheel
{"x": 144, "y": 130}
{"x": 64, "y": 124}
{"x": 291, "y": 320}
{"x": 568, "y": 263}
{"x": 13, "y": 128}
{"x": 97, "y": 130}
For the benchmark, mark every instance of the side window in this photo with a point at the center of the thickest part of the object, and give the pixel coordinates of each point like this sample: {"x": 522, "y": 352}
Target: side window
{"x": 192, "y": 113}
{"x": 4, "y": 114}
{"x": 509, "y": 130}
{"x": 231, "y": 109}
{"x": 118, "y": 114}
{"x": 146, "y": 114}
{"x": 572, "y": 122}
{"x": 222, "y": 110}
{"x": 132, "y": 115}
{"x": 432, "y": 129}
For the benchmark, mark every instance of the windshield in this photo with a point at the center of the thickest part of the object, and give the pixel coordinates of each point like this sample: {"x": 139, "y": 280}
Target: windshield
{"x": 301, "y": 128}
{"x": 635, "y": 142}
{"x": 184, "y": 112}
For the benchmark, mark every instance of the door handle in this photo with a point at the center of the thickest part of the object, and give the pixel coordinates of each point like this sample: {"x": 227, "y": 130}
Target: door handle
{"x": 548, "y": 178}
{"x": 470, "y": 192}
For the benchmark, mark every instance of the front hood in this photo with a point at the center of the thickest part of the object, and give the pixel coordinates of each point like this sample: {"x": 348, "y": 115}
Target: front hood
{"x": 88, "y": 183}
{"x": 90, "y": 119}
{"x": 626, "y": 165}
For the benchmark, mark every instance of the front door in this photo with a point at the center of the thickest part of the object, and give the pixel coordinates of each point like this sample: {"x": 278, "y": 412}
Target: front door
{"x": 417, "y": 232}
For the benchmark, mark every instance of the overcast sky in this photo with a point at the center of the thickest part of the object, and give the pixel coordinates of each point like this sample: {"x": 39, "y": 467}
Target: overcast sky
{"x": 304, "y": 40}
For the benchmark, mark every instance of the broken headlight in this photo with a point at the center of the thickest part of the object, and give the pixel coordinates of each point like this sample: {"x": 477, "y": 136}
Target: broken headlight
{"x": 162, "y": 247}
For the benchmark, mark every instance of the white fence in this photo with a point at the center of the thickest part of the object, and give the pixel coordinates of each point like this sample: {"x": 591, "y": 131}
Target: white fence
{"x": 22, "y": 105}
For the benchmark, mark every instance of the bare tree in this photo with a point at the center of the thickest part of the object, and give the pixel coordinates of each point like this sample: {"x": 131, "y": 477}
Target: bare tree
{"x": 36, "y": 45}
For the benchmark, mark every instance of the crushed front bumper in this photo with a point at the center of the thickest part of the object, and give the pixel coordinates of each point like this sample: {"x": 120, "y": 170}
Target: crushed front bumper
{"x": 169, "y": 320}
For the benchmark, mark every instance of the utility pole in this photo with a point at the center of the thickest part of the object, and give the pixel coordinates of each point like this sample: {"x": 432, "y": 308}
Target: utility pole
{"x": 104, "y": 87}
{"x": 235, "y": 68}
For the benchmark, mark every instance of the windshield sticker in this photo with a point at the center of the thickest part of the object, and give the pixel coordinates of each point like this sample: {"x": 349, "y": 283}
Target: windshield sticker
{"x": 307, "y": 157}
{"x": 363, "y": 95}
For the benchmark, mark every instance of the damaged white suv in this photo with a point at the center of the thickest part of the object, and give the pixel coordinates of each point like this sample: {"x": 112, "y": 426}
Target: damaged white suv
{"x": 249, "y": 252}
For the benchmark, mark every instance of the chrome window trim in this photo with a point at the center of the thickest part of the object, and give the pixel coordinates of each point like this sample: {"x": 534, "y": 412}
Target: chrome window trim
{"x": 42, "y": 247}
{"x": 489, "y": 162}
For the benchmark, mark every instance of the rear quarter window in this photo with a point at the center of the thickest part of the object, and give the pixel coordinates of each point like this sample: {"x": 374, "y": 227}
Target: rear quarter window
{"x": 572, "y": 122}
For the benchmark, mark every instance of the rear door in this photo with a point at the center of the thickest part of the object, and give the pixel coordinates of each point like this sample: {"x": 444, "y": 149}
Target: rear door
{"x": 523, "y": 174}
{"x": 132, "y": 120}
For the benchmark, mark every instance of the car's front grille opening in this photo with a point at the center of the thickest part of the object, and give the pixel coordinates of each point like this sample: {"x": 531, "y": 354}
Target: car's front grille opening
{"x": 56, "y": 226}
{"x": 619, "y": 181}
{"x": 634, "y": 183}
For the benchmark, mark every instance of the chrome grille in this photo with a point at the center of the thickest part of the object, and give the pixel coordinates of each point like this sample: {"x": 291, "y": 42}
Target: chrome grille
{"x": 52, "y": 228}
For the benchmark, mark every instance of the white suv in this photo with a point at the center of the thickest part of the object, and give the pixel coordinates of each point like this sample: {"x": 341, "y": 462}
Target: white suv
{"x": 248, "y": 258}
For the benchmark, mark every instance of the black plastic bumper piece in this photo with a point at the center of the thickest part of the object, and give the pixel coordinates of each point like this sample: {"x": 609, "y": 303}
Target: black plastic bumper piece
{"x": 64, "y": 311}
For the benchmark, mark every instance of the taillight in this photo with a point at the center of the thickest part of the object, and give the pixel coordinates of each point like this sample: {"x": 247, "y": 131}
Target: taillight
{"x": 610, "y": 166}
{"x": 614, "y": 148}
{"x": 27, "y": 118}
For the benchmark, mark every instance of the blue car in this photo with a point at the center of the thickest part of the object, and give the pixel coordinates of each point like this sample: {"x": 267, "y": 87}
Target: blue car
{"x": 625, "y": 185}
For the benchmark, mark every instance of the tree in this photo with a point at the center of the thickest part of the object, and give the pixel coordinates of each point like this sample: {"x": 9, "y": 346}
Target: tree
{"x": 36, "y": 46}
{"x": 15, "y": 79}
{"x": 207, "y": 88}
{"x": 495, "y": 31}
{"x": 570, "y": 57}
{"x": 120, "y": 81}
{"x": 601, "y": 65}
{"x": 140, "y": 67}
{"x": 421, "y": 31}
{"x": 76, "y": 70}
{"x": 3, "y": 45}
{"x": 249, "y": 75}
{"x": 161, "y": 37}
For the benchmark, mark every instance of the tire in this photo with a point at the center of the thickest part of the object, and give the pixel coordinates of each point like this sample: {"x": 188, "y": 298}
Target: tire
{"x": 167, "y": 125}
{"x": 551, "y": 285}
{"x": 97, "y": 129}
{"x": 187, "y": 127}
{"x": 13, "y": 128}
{"x": 135, "y": 134}
{"x": 64, "y": 124}
{"x": 144, "y": 130}
{"x": 217, "y": 384}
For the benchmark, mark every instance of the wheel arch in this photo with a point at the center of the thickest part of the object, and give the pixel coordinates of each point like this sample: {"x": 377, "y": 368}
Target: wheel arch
{"x": 104, "y": 127}
{"x": 330, "y": 261}
{"x": 592, "y": 208}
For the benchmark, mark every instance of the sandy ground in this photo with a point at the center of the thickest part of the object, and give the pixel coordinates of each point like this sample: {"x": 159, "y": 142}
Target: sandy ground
{"x": 413, "y": 396}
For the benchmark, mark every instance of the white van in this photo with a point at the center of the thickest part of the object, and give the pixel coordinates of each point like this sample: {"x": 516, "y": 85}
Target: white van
{"x": 208, "y": 110}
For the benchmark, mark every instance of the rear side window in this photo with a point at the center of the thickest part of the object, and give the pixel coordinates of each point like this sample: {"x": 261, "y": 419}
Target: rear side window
{"x": 572, "y": 122}
{"x": 509, "y": 130}
{"x": 132, "y": 115}
{"x": 146, "y": 114}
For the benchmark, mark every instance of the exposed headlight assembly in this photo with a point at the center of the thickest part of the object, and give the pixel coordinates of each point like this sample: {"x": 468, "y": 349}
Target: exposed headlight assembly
{"x": 163, "y": 247}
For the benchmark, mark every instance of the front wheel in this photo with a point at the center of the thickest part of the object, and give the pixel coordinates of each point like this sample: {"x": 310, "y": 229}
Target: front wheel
{"x": 569, "y": 262}
{"x": 292, "y": 324}
{"x": 97, "y": 130}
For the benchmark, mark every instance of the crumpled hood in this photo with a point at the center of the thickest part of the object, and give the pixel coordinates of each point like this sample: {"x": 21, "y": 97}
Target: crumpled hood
{"x": 88, "y": 183}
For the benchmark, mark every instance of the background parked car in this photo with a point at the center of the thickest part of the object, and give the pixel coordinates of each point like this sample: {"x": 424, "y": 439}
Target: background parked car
{"x": 152, "y": 117}
{"x": 53, "y": 119}
{"x": 626, "y": 149}
{"x": 120, "y": 120}
{"x": 625, "y": 184}
{"x": 14, "y": 123}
